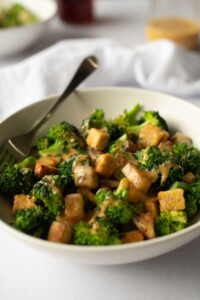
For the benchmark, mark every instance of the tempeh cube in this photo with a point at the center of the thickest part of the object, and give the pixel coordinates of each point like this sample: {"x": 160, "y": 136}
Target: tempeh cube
{"x": 137, "y": 177}
{"x": 23, "y": 202}
{"x": 132, "y": 237}
{"x": 151, "y": 206}
{"x": 98, "y": 138}
{"x": 166, "y": 145}
{"x": 74, "y": 208}
{"x": 105, "y": 165}
{"x": 145, "y": 223}
{"x": 179, "y": 138}
{"x": 86, "y": 176}
{"x": 152, "y": 135}
{"x": 172, "y": 200}
{"x": 60, "y": 232}
{"x": 188, "y": 177}
{"x": 136, "y": 196}
{"x": 42, "y": 170}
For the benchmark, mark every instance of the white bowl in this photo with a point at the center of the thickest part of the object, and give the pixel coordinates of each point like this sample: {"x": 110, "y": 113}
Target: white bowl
{"x": 18, "y": 38}
{"x": 179, "y": 114}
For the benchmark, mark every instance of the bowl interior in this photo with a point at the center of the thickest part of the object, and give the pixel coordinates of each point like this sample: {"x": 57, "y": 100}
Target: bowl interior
{"x": 44, "y": 9}
{"x": 178, "y": 114}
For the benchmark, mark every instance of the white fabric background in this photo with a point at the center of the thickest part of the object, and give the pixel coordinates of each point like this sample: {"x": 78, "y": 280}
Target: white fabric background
{"x": 159, "y": 65}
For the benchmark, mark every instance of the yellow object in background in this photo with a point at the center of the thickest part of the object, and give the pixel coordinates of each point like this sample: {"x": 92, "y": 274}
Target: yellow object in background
{"x": 180, "y": 30}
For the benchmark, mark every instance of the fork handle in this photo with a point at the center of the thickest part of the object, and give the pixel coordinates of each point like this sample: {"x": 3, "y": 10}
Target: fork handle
{"x": 88, "y": 65}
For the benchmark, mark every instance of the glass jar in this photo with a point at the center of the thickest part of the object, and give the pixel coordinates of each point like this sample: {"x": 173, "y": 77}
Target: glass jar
{"x": 76, "y": 11}
{"x": 177, "y": 20}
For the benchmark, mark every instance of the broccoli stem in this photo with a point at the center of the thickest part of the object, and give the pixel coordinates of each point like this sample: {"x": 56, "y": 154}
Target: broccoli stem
{"x": 134, "y": 129}
{"x": 179, "y": 185}
{"x": 133, "y": 112}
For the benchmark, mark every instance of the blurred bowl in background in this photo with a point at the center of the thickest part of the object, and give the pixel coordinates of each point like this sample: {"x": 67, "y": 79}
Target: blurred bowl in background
{"x": 18, "y": 38}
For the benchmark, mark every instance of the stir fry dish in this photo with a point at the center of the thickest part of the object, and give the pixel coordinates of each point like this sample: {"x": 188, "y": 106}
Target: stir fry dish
{"x": 115, "y": 181}
{"x": 16, "y": 15}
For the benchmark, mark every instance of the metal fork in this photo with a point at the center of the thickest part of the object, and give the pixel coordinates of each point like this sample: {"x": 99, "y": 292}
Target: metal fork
{"x": 18, "y": 148}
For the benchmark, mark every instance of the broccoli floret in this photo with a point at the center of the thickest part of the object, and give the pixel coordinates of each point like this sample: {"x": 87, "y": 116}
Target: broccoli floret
{"x": 43, "y": 143}
{"x": 65, "y": 169}
{"x": 191, "y": 194}
{"x": 169, "y": 222}
{"x": 149, "y": 117}
{"x": 66, "y": 133}
{"x": 57, "y": 146}
{"x": 128, "y": 117}
{"x": 34, "y": 221}
{"x": 115, "y": 131}
{"x": 188, "y": 157}
{"x": 121, "y": 212}
{"x": 95, "y": 120}
{"x": 98, "y": 233}
{"x": 18, "y": 179}
{"x": 60, "y": 131}
{"x": 117, "y": 210}
{"x": 27, "y": 163}
{"x": 152, "y": 157}
{"x": 49, "y": 192}
{"x": 117, "y": 145}
{"x": 102, "y": 195}
{"x": 175, "y": 174}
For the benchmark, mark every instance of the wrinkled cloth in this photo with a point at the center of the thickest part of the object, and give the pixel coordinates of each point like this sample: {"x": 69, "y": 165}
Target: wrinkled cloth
{"x": 159, "y": 65}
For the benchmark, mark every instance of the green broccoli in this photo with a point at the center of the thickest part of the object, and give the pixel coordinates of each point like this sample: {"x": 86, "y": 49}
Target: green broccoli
{"x": 191, "y": 194}
{"x": 57, "y": 146}
{"x": 34, "y": 221}
{"x": 117, "y": 145}
{"x": 120, "y": 212}
{"x": 117, "y": 210}
{"x": 49, "y": 192}
{"x": 95, "y": 120}
{"x": 98, "y": 233}
{"x": 175, "y": 174}
{"x": 169, "y": 222}
{"x": 114, "y": 130}
{"x": 18, "y": 179}
{"x": 187, "y": 157}
{"x": 66, "y": 133}
{"x": 43, "y": 143}
{"x": 65, "y": 169}
{"x": 152, "y": 157}
{"x": 149, "y": 117}
{"x": 128, "y": 117}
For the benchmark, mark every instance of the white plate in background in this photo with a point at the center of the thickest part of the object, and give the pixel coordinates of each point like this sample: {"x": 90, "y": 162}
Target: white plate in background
{"x": 18, "y": 38}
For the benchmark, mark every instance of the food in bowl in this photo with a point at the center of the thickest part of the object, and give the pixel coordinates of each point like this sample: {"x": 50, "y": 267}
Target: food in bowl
{"x": 16, "y": 15}
{"x": 117, "y": 181}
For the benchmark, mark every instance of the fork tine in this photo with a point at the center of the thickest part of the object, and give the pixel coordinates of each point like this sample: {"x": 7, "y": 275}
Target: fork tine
{"x": 6, "y": 159}
{"x": 2, "y": 154}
